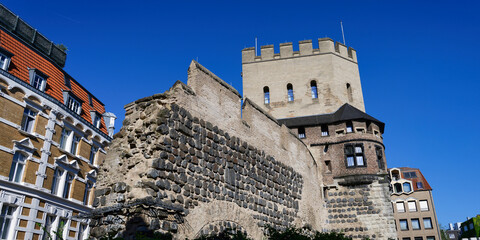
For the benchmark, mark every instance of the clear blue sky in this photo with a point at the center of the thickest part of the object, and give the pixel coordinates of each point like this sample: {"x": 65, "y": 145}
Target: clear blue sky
{"x": 419, "y": 65}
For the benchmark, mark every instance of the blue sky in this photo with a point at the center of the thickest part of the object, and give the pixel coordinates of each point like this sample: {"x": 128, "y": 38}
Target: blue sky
{"x": 419, "y": 65}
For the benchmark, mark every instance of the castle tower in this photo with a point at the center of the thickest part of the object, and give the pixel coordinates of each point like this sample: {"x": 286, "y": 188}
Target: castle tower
{"x": 305, "y": 82}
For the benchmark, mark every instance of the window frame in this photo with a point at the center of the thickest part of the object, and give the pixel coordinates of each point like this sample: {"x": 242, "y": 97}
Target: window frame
{"x": 7, "y": 215}
{"x": 69, "y": 141}
{"x": 14, "y": 167}
{"x": 406, "y": 224}
{"x": 57, "y": 181}
{"x": 403, "y": 206}
{"x": 28, "y": 114}
{"x": 301, "y": 133}
{"x": 403, "y": 187}
{"x": 380, "y": 160}
{"x": 410, "y": 206}
{"x": 427, "y": 219}
{"x": 349, "y": 127}
{"x": 8, "y": 59}
{"x": 314, "y": 89}
{"x": 69, "y": 177}
{"x": 418, "y": 224}
{"x": 69, "y": 98}
{"x": 38, "y": 79}
{"x": 354, "y": 154}
{"x": 266, "y": 95}
{"x": 290, "y": 95}
{"x": 48, "y": 226}
{"x": 87, "y": 193}
{"x": 324, "y": 130}
{"x": 93, "y": 154}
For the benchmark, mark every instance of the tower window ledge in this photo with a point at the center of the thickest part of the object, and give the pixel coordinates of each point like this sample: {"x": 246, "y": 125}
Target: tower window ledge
{"x": 360, "y": 130}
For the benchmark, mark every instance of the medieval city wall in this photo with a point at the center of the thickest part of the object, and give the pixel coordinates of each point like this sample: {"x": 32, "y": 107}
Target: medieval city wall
{"x": 191, "y": 161}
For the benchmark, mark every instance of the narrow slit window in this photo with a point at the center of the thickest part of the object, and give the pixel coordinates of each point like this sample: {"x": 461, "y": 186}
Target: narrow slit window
{"x": 290, "y": 92}
{"x": 313, "y": 87}
{"x": 266, "y": 95}
{"x": 349, "y": 93}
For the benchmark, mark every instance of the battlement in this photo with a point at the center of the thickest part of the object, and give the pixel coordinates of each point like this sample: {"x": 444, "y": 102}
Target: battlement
{"x": 325, "y": 46}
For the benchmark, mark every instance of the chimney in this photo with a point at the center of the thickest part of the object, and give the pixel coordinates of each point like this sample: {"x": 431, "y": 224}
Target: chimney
{"x": 110, "y": 122}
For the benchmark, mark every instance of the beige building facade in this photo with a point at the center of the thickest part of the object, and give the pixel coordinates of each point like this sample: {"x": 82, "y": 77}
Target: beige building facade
{"x": 413, "y": 205}
{"x": 305, "y": 82}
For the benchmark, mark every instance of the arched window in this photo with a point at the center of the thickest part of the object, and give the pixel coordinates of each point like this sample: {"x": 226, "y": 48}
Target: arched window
{"x": 290, "y": 92}
{"x": 313, "y": 87}
{"x": 349, "y": 92}
{"x": 16, "y": 170}
{"x": 266, "y": 94}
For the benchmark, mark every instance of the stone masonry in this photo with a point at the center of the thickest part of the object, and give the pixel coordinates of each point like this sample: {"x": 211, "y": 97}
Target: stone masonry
{"x": 186, "y": 162}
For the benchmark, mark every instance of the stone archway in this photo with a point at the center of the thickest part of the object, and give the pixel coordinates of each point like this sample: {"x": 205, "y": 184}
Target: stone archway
{"x": 218, "y": 214}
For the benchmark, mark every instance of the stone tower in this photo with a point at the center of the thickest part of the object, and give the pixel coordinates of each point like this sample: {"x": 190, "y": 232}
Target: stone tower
{"x": 305, "y": 82}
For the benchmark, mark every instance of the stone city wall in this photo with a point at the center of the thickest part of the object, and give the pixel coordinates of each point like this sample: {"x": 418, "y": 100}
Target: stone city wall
{"x": 189, "y": 162}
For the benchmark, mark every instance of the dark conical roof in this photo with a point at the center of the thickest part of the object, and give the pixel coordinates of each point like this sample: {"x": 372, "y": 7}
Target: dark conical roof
{"x": 345, "y": 113}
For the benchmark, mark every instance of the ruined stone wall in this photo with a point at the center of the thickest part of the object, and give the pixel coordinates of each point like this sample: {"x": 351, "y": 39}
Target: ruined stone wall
{"x": 188, "y": 161}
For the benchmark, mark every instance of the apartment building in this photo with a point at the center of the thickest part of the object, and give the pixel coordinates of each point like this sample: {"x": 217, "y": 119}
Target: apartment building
{"x": 412, "y": 200}
{"x": 53, "y": 136}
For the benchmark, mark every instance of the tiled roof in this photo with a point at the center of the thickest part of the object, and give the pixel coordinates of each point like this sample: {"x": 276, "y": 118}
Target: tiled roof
{"x": 344, "y": 113}
{"x": 25, "y": 57}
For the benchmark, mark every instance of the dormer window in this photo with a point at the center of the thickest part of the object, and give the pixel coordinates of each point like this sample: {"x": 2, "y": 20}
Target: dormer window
{"x": 96, "y": 118}
{"x": 5, "y": 57}
{"x": 38, "y": 79}
{"x": 72, "y": 102}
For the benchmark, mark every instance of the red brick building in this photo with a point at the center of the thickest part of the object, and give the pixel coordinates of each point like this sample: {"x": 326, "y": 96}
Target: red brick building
{"x": 53, "y": 137}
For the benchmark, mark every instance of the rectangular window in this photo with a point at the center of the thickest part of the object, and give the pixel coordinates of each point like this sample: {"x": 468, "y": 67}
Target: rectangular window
{"x": 48, "y": 227}
{"x": 64, "y": 138}
{"x": 427, "y": 223}
{"x": 415, "y": 224}
{"x": 410, "y": 174}
{"x": 93, "y": 154}
{"x": 379, "y": 152}
{"x": 28, "y": 120}
{"x": 471, "y": 226}
{"x": 430, "y": 238}
{"x": 81, "y": 231}
{"x": 349, "y": 127}
{"x": 75, "y": 141}
{"x": 301, "y": 132}
{"x": 419, "y": 185}
{"x": 324, "y": 130}
{"x": 56, "y": 180}
{"x": 16, "y": 170}
{"x": 73, "y": 104}
{"x": 86, "y": 195}
{"x": 423, "y": 205}
{"x": 38, "y": 82}
{"x": 412, "y": 206}
{"x": 418, "y": 238}
{"x": 266, "y": 96}
{"x": 61, "y": 227}
{"x": 406, "y": 238}
{"x": 354, "y": 155}
{"x": 400, "y": 207}
{"x": 403, "y": 224}
{"x": 97, "y": 121}
{"x": 4, "y": 60}
{"x": 68, "y": 184}
{"x": 6, "y": 215}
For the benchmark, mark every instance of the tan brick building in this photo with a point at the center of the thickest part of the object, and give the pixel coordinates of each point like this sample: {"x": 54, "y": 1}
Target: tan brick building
{"x": 53, "y": 137}
{"x": 413, "y": 205}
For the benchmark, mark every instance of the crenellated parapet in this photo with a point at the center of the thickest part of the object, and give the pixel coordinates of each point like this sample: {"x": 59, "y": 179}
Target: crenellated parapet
{"x": 325, "y": 46}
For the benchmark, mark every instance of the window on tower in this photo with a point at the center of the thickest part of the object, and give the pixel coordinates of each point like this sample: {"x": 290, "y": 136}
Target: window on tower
{"x": 266, "y": 94}
{"x": 349, "y": 92}
{"x": 354, "y": 155}
{"x": 313, "y": 86}
{"x": 290, "y": 92}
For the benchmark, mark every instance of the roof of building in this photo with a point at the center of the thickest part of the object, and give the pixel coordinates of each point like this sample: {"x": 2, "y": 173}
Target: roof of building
{"x": 419, "y": 178}
{"x": 344, "y": 113}
{"x": 29, "y": 53}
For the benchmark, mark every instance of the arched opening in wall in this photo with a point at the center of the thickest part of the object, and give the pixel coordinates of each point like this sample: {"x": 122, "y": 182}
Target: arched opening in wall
{"x": 266, "y": 95}
{"x": 349, "y": 93}
{"x": 290, "y": 92}
{"x": 313, "y": 87}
